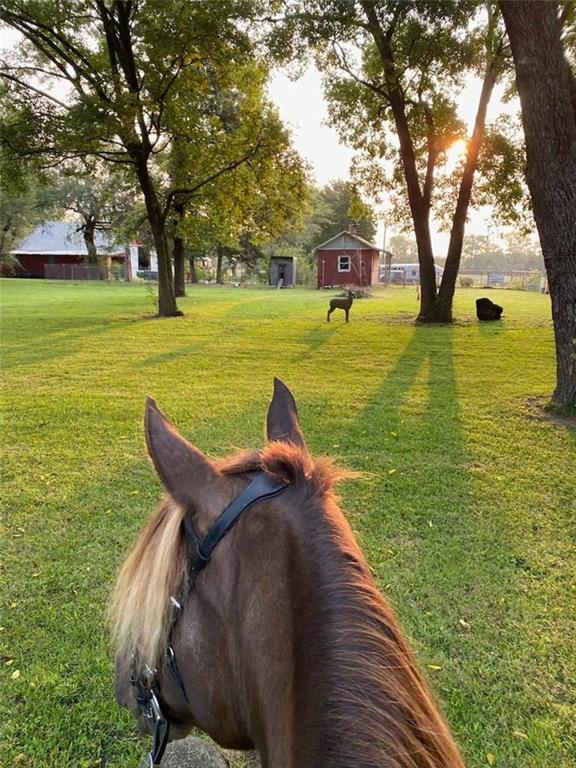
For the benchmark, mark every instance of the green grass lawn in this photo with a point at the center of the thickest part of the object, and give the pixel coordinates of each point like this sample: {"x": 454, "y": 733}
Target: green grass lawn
{"x": 466, "y": 513}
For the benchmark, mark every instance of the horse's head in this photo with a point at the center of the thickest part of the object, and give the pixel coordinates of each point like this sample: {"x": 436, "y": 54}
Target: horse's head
{"x": 226, "y": 605}
{"x": 264, "y": 627}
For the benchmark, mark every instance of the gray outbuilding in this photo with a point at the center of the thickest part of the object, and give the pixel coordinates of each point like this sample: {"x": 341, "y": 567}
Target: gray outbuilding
{"x": 282, "y": 268}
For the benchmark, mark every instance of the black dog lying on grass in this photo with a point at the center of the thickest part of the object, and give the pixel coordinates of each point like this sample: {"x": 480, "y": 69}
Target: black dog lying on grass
{"x": 487, "y": 310}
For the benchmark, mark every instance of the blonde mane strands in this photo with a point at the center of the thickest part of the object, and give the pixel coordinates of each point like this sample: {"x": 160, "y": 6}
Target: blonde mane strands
{"x": 152, "y": 572}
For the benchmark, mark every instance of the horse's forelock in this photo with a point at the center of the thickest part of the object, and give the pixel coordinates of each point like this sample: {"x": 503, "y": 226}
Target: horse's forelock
{"x": 152, "y": 572}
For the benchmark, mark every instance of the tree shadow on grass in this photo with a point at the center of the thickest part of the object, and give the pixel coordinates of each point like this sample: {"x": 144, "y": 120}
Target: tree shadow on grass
{"x": 439, "y": 548}
{"x": 314, "y": 339}
{"x": 173, "y": 354}
{"x": 48, "y": 343}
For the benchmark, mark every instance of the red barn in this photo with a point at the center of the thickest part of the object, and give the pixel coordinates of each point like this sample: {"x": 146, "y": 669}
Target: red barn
{"x": 60, "y": 244}
{"x": 347, "y": 259}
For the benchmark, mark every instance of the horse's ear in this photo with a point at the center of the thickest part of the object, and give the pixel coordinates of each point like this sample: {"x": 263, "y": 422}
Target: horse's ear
{"x": 185, "y": 472}
{"x": 282, "y": 419}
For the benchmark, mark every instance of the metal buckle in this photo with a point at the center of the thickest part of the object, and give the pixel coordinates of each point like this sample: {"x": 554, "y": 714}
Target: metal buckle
{"x": 146, "y": 684}
{"x": 149, "y": 677}
{"x": 150, "y": 707}
{"x": 161, "y": 730}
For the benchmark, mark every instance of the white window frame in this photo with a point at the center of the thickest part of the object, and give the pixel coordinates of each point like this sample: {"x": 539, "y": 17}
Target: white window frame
{"x": 344, "y": 256}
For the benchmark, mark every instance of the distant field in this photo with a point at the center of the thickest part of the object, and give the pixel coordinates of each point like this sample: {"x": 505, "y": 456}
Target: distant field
{"x": 467, "y": 513}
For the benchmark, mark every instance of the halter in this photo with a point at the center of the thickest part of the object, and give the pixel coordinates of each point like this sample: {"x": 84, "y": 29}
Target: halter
{"x": 147, "y": 683}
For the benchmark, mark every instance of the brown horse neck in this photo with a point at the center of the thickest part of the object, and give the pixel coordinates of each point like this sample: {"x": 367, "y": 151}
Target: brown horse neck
{"x": 349, "y": 693}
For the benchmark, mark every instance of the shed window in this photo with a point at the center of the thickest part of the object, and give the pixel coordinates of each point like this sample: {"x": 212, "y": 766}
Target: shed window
{"x": 343, "y": 263}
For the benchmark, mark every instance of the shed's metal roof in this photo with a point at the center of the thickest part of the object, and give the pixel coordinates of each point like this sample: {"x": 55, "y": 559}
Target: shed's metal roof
{"x": 346, "y": 236}
{"x": 63, "y": 238}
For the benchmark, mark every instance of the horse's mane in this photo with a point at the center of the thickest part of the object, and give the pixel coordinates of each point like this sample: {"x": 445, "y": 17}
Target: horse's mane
{"x": 375, "y": 702}
{"x": 376, "y": 708}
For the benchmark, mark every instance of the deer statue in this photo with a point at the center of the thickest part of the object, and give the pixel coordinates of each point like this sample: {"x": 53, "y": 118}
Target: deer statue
{"x": 341, "y": 303}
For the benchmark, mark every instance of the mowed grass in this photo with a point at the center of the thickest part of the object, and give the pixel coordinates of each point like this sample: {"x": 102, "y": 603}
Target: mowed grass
{"x": 466, "y": 512}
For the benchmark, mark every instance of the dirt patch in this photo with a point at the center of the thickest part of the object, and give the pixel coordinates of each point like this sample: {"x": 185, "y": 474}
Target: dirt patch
{"x": 539, "y": 408}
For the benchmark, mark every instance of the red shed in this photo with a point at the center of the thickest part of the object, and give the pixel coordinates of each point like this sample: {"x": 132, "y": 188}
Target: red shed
{"x": 347, "y": 259}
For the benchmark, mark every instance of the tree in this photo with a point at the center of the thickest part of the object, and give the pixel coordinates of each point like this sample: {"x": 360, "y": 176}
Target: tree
{"x": 522, "y": 252}
{"x": 342, "y": 203}
{"x": 481, "y": 252}
{"x": 20, "y": 212}
{"x": 403, "y": 248}
{"x": 397, "y": 65}
{"x": 299, "y": 240}
{"x": 263, "y": 195}
{"x": 547, "y": 89}
{"x": 129, "y": 81}
{"x": 99, "y": 199}
{"x": 21, "y": 189}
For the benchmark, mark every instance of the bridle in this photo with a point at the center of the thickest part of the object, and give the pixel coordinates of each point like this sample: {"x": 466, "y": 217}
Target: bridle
{"x": 147, "y": 682}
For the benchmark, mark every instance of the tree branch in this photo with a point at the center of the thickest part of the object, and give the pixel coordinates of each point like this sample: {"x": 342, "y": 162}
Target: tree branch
{"x": 432, "y": 154}
{"x": 192, "y": 190}
{"x": 345, "y": 67}
{"x": 24, "y": 84}
{"x": 53, "y": 45}
{"x": 35, "y": 69}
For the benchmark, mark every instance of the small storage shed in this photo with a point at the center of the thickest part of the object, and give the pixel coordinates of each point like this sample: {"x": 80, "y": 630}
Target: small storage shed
{"x": 283, "y": 268}
{"x": 347, "y": 259}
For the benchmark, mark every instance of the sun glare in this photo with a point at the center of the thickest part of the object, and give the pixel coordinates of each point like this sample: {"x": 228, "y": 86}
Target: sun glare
{"x": 456, "y": 151}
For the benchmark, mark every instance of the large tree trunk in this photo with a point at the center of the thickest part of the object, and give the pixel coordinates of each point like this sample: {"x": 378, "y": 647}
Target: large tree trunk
{"x": 428, "y": 291}
{"x": 419, "y": 207}
{"x": 546, "y": 87}
{"x": 88, "y": 234}
{"x": 179, "y": 267}
{"x": 193, "y": 273}
{"x": 178, "y": 253}
{"x": 166, "y": 299}
{"x": 452, "y": 266}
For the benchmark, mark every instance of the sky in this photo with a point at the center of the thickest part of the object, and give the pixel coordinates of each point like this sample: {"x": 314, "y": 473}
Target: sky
{"x": 302, "y": 106}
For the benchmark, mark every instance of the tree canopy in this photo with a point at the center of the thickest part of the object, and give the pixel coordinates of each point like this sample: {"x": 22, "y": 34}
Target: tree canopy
{"x": 124, "y": 81}
{"x": 392, "y": 71}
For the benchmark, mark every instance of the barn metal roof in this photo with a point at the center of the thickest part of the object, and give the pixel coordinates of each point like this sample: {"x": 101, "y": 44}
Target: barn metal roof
{"x": 63, "y": 238}
{"x": 350, "y": 235}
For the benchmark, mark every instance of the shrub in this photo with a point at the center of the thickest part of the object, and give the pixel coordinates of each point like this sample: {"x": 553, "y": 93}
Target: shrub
{"x": 358, "y": 291}
{"x": 117, "y": 271}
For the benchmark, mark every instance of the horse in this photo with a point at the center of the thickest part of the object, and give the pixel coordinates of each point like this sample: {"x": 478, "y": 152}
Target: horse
{"x": 246, "y": 609}
{"x": 341, "y": 303}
